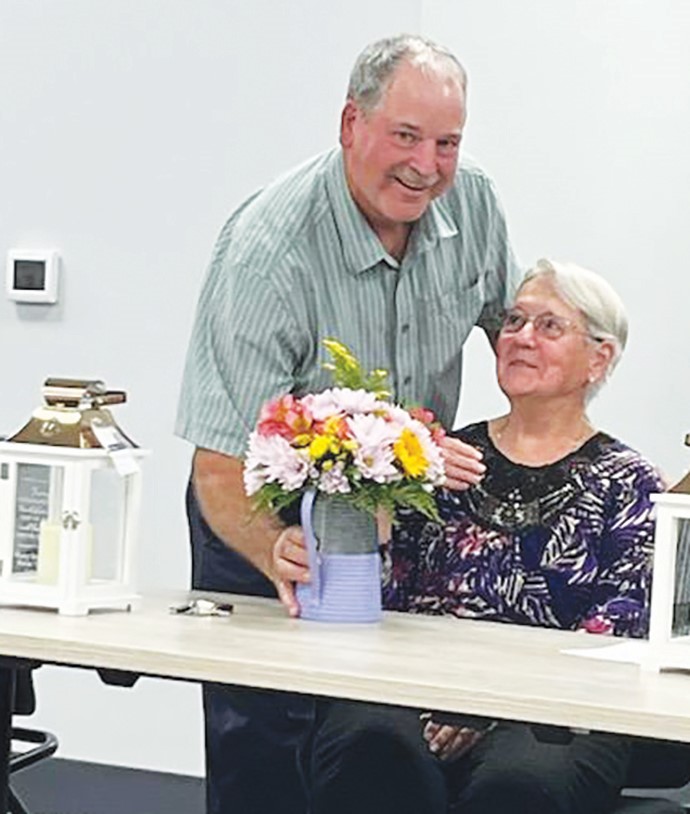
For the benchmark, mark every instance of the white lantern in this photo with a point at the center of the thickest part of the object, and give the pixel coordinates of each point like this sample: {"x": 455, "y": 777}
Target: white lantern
{"x": 669, "y": 626}
{"x": 70, "y": 487}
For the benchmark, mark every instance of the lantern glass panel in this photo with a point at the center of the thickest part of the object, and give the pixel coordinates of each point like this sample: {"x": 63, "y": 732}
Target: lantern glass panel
{"x": 37, "y": 502}
{"x": 106, "y": 525}
{"x": 681, "y": 600}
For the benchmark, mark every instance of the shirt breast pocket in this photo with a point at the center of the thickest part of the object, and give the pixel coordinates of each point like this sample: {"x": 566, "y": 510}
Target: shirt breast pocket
{"x": 459, "y": 308}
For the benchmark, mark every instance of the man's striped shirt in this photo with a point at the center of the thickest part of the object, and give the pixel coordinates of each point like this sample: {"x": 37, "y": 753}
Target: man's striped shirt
{"x": 298, "y": 263}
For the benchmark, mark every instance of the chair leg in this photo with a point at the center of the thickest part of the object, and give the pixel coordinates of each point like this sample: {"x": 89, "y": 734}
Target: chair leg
{"x": 46, "y": 745}
{"x": 7, "y": 681}
{"x": 16, "y": 806}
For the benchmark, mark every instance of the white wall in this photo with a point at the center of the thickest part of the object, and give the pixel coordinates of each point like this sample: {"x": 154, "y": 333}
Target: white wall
{"x": 129, "y": 130}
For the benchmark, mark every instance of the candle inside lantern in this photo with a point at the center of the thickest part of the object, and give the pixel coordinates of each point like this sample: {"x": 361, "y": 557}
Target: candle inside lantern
{"x": 48, "y": 566}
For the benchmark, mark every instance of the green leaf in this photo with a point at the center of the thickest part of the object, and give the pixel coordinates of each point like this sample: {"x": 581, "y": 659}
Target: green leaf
{"x": 368, "y": 497}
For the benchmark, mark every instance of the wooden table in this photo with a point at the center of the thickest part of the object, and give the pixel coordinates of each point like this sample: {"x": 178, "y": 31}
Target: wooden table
{"x": 439, "y": 663}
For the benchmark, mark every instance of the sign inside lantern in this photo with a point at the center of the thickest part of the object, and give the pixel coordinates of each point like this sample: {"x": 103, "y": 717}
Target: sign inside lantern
{"x": 31, "y": 507}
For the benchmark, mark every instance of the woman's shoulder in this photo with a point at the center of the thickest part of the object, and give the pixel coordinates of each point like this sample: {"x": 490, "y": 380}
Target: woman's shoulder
{"x": 475, "y": 433}
{"x": 614, "y": 458}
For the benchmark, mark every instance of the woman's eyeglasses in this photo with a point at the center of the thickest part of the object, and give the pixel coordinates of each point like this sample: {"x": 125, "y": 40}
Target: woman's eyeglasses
{"x": 547, "y": 325}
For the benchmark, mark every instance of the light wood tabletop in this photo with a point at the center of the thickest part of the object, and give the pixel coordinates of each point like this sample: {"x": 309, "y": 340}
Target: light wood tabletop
{"x": 439, "y": 663}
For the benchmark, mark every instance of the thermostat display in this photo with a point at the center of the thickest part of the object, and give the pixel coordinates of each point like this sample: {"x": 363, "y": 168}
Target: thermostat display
{"x": 32, "y": 276}
{"x": 29, "y": 275}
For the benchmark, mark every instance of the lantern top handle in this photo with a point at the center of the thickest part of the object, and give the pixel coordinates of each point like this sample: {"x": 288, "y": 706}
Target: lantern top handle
{"x": 75, "y": 414}
{"x": 81, "y": 393}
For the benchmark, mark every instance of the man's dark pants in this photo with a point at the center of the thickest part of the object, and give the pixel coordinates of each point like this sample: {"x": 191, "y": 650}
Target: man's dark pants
{"x": 251, "y": 735}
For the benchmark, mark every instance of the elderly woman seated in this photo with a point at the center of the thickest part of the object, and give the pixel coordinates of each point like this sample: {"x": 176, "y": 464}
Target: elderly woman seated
{"x": 557, "y": 533}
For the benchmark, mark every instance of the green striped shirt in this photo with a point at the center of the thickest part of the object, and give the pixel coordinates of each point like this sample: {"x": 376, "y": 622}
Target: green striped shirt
{"x": 298, "y": 263}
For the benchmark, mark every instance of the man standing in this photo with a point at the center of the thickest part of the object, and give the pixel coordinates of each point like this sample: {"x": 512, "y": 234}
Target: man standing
{"x": 396, "y": 249}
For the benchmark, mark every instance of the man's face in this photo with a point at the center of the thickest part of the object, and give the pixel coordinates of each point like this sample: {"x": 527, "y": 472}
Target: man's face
{"x": 403, "y": 154}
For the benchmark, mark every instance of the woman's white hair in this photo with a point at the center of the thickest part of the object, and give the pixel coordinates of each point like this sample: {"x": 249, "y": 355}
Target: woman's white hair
{"x": 589, "y": 293}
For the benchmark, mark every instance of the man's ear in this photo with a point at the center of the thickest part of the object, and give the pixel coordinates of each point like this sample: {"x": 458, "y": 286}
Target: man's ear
{"x": 600, "y": 360}
{"x": 347, "y": 122}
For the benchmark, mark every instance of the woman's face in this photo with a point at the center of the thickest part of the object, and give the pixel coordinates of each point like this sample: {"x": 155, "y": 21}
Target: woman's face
{"x": 531, "y": 361}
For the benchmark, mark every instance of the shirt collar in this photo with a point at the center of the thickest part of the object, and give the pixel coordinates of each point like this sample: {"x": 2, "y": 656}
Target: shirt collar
{"x": 436, "y": 223}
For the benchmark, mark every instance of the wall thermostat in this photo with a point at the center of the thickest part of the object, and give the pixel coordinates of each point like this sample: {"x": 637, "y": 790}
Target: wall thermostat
{"x": 32, "y": 275}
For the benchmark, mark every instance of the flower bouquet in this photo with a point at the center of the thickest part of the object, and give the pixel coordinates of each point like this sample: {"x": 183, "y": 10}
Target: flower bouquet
{"x": 349, "y": 440}
{"x": 347, "y": 453}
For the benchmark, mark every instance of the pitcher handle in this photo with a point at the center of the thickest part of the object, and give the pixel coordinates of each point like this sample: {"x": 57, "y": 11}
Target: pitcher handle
{"x": 306, "y": 516}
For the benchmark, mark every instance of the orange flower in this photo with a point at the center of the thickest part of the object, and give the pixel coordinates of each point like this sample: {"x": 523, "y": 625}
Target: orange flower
{"x": 285, "y": 416}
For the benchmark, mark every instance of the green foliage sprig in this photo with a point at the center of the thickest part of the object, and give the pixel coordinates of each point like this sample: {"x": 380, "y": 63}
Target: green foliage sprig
{"x": 348, "y": 372}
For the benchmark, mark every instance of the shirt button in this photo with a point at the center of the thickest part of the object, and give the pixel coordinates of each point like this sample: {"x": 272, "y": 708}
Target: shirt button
{"x": 405, "y": 328}
{"x": 407, "y": 380}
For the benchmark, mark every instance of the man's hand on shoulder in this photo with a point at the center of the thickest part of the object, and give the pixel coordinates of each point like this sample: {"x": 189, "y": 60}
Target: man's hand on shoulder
{"x": 463, "y": 462}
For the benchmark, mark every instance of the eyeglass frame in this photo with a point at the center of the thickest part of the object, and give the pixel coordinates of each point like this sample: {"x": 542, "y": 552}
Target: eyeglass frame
{"x": 564, "y": 324}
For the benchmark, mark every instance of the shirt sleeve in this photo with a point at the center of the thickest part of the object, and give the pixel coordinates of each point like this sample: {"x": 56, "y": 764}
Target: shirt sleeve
{"x": 620, "y": 601}
{"x": 243, "y": 352}
{"x": 502, "y": 273}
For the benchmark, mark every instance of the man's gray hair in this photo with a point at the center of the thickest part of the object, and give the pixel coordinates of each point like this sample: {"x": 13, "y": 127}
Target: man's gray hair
{"x": 594, "y": 298}
{"x": 376, "y": 65}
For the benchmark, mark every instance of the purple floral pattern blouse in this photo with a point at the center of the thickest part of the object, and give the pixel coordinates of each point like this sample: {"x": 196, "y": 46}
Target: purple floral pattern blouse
{"x": 567, "y": 545}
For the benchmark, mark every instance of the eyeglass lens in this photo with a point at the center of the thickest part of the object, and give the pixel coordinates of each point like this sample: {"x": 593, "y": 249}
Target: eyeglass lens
{"x": 548, "y": 325}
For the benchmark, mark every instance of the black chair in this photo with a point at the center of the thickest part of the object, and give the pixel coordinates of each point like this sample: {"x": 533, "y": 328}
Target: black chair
{"x": 42, "y": 744}
{"x": 655, "y": 766}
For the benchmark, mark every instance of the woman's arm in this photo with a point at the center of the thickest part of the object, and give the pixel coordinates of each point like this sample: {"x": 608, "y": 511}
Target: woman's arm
{"x": 620, "y": 600}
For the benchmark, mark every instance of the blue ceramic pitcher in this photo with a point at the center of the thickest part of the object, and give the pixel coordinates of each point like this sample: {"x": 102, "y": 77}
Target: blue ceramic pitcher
{"x": 344, "y": 561}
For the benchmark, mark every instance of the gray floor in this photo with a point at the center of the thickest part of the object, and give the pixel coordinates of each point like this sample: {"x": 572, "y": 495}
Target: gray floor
{"x": 58, "y": 786}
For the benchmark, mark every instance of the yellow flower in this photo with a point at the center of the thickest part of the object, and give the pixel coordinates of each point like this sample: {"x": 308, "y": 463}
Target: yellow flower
{"x": 319, "y": 447}
{"x": 409, "y": 452}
